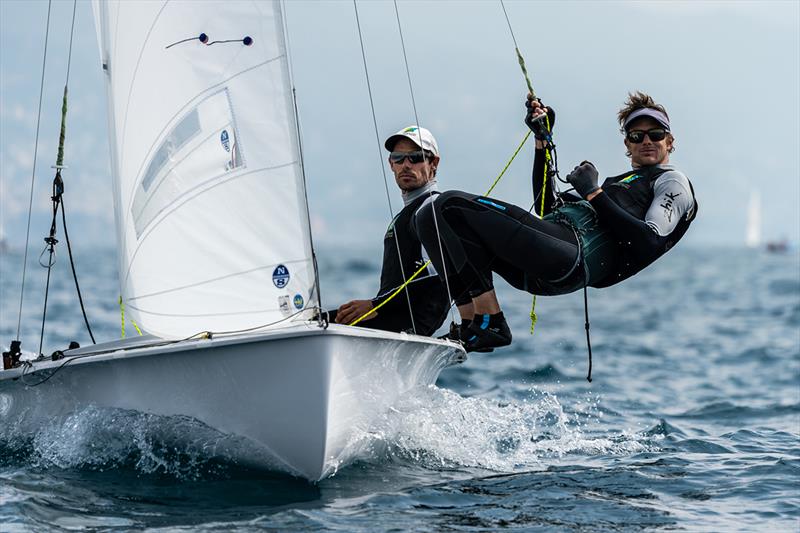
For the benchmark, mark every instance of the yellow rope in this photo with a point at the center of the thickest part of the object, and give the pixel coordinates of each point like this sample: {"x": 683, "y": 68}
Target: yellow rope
{"x": 423, "y": 267}
{"x": 496, "y": 181}
{"x": 524, "y": 71}
{"x": 122, "y": 318}
{"x": 547, "y": 163}
{"x": 395, "y": 293}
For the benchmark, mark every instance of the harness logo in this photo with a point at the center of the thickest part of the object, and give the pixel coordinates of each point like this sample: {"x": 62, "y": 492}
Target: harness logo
{"x": 491, "y": 203}
{"x": 298, "y": 301}
{"x": 632, "y": 177}
{"x": 280, "y": 276}
{"x": 224, "y": 138}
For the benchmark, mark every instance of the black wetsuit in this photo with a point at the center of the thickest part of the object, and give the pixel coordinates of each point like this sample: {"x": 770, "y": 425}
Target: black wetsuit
{"x": 543, "y": 256}
{"x": 427, "y": 292}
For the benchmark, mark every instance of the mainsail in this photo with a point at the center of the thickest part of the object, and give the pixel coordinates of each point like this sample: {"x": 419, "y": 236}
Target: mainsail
{"x": 212, "y": 224}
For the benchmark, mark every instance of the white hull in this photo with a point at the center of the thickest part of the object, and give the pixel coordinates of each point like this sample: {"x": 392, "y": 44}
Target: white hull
{"x": 298, "y": 393}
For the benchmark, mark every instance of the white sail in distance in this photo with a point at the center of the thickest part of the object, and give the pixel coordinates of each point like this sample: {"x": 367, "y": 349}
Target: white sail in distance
{"x": 752, "y": 236}
{"x": 212, "y": 225}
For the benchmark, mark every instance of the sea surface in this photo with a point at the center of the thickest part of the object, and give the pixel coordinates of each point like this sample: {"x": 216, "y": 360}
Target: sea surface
{"x": 692, "y": 421}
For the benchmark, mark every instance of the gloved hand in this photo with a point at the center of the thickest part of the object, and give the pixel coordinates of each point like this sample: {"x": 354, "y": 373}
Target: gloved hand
{"x": 534, "y": 119}
{"x": 584, "y": 179}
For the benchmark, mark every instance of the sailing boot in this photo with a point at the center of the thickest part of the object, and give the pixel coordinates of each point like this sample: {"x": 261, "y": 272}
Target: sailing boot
{"x": 487, "y": 332}
{"x": 457, "y": 331}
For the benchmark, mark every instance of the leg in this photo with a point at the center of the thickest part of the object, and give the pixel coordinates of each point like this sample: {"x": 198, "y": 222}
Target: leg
{"x": 480, "y": 235}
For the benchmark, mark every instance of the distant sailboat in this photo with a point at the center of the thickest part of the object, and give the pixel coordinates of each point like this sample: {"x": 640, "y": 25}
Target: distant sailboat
{"x": 753, "y": 232}
{"x": 215, "y": 255}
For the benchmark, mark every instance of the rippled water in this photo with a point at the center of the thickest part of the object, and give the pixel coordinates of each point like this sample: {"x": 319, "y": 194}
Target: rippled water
{"x": 692, "y": 421}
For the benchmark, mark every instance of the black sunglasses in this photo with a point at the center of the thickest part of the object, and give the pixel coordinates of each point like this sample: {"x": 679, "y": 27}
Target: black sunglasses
{"x": 637, "y": 136}
{"x": 415, "y": 157}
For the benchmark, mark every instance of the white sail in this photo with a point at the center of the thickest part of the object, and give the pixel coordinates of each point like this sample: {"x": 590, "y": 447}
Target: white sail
{"x": 753, "y": 233}
{"x": 212, "y": 224}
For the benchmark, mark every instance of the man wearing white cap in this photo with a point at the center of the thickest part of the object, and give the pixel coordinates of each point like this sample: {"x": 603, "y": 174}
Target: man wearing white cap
{"x": 413, "y": 159}
{"x": 590, "y": 236}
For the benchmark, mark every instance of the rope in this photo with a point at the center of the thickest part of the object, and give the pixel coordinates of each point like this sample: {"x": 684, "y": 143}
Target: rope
{"x": 423, "y": 267}
{"x": 122, "y": 315}
{"x": 416, "y": 119}
{"x": 63, "y": 131}
{"x": 57, "y": 198}
{"x": 58, "y": 189}
{"x": 383, "y": 170}
{"x": 519, "y": 54}
{"x": 33, "y": 173}
{"x": 74, "y": 273}
{"x": 548, "y": 159}
{"x": 502, "y": 172}
{"x": 395, "y": 293}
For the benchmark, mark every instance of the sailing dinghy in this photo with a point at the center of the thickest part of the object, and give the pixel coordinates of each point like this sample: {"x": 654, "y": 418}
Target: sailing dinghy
{"x": 215, "y": 254}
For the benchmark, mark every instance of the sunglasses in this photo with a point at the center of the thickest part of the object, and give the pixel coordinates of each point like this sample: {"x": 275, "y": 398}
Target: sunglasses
{"x": 414, "y": 157}
{"x": 637, "y": 136}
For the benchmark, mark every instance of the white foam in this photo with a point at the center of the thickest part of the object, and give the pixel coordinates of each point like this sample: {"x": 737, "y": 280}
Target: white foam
{"x": 441, "y": 429}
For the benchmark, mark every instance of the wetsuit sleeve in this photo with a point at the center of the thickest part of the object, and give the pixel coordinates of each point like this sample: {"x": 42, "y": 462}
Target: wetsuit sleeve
{"x": 672, "y": 200}
{"x": 538, "y": 177}
{"x": 641, "y": 239}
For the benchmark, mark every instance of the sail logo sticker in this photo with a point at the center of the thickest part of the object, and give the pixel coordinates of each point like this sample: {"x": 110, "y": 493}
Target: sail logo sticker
{"x": 224, "y": 138}
{"x": 298, "y": 301}
{"x": 280, "y": 276}
{"x": 283, "y": 304}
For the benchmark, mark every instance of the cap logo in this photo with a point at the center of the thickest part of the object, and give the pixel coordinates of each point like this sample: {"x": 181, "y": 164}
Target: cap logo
{"x": 409, "y": 130}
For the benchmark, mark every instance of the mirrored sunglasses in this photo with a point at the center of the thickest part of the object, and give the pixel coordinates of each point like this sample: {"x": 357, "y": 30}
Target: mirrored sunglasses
{"x": 637, "y": 136}
{"x": 414, "y": 157}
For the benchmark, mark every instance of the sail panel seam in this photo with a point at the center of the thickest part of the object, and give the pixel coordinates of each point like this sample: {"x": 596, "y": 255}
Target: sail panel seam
{"x": 202, "y": 95}
{"x": 188, "y": 197}
{"x": 220, "y": 278}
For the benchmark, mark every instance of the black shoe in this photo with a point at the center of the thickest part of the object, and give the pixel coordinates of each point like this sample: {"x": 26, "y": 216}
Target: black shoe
{"x": 455, "y": 332}
{"x": 487, "y": 332}
{"x": 459, "y": 332}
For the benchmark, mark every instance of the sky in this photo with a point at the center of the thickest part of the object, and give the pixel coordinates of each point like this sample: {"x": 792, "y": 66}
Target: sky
{"x": 727, "y": 72}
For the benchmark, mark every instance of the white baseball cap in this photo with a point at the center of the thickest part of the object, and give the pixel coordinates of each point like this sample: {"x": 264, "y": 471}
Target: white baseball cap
{"x": 419, "y": 136}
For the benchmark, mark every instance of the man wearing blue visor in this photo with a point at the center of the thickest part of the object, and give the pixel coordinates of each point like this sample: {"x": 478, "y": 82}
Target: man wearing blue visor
{"x": 592, "y": 235}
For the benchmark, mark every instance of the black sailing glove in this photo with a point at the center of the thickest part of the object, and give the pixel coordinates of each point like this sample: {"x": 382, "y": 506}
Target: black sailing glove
{"x": 584, "y": 179}
{"x": 539, "y": 126}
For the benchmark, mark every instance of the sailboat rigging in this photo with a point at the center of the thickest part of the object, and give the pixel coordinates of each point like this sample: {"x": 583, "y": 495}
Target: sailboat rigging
{"x": 215, "y": 256}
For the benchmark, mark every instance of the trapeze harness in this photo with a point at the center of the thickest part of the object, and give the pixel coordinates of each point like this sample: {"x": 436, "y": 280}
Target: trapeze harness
{"x": 615, "y": 241}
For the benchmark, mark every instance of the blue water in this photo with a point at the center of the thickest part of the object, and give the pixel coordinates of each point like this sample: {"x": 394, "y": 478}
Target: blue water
{"x": 692, "y": 421}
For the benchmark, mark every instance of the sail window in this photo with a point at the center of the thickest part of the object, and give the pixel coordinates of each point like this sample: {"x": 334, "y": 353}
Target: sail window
{"x": 201, "y": 147}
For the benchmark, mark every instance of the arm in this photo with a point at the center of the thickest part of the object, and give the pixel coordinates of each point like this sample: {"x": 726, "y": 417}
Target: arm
{"x": 537, "y": 179}
{"x": 354, "y": 309}
{"x": 631, "y": 232}
{"x": 535, "y": 121}
{"x": 672, "y": 199}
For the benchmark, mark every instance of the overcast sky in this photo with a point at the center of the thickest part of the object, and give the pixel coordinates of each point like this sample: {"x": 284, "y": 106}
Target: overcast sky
{"x": 727, "y": 72}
